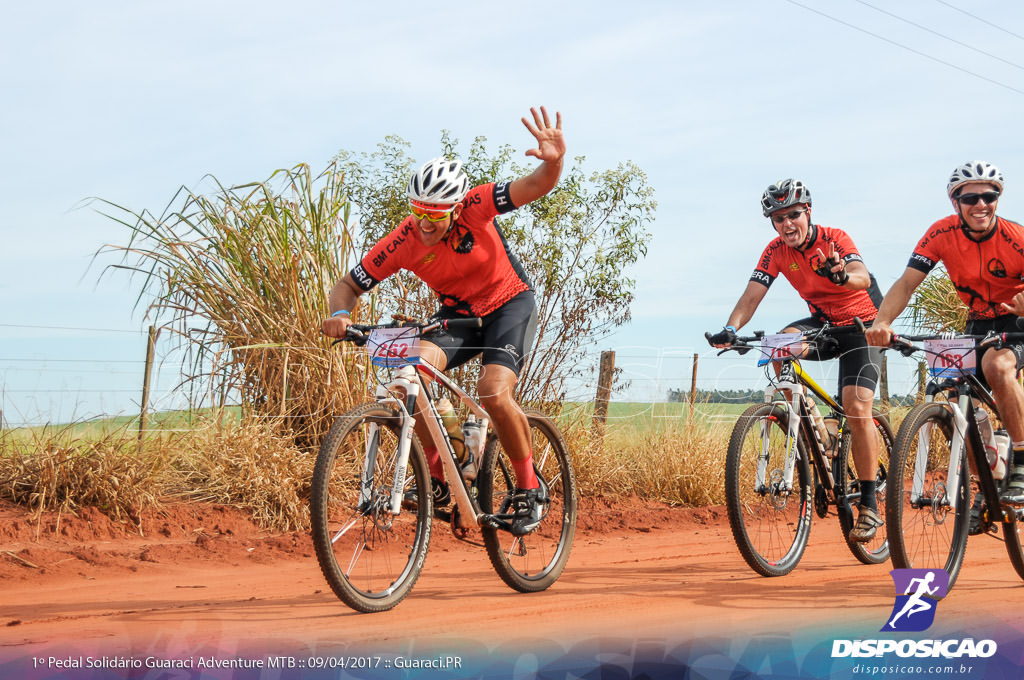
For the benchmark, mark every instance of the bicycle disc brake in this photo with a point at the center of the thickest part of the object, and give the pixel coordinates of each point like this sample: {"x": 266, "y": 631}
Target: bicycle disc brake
{"x": 776, "y": 490}
{"x": 940, "y": 509}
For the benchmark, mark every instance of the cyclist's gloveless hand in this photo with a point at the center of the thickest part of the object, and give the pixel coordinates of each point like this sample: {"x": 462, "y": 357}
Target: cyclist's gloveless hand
{"x": 723, "y": 338}
{"x": 879, "y": 335}
{"x": 335, "y": 326}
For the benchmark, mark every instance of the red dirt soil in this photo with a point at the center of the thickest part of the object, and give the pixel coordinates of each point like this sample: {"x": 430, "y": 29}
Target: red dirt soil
{"x": 202, "y": 576}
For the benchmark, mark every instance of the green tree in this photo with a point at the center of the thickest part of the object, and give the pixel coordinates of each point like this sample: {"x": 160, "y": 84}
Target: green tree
{"x": 576, "y": 244}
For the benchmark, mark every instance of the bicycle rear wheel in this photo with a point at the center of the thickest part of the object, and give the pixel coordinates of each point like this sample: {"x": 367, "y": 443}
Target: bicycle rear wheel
{"x": 924, "y": 531}
{"x": 876, "y": 550}
{"x": 770, "y": 523}
{"x": 370, "y": 557}
{"x": 533, "y": 562}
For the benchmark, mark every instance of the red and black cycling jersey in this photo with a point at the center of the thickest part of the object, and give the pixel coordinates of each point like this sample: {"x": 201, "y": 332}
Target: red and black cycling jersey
{"x": 826, "y": 300}
{"x": 985, "y": 273}
{"x": 471, "y": 269}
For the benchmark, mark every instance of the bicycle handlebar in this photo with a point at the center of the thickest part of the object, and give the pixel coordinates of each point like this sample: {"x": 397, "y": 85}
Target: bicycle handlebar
{"x": 904, "y": 344}
{"x": 360, "y": 333}
{"x": 742, "y": 345}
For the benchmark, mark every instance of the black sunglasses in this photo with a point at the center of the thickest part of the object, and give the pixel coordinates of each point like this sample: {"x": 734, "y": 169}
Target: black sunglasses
{"x": 989, "y": 197}
{"x": 779, "y": 218}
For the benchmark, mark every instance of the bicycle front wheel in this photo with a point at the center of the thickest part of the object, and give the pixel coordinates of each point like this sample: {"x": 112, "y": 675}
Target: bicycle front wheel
{"x": 370, "y": 557}
{"x": 533, "y": 562}
{"x": 925, "y": 532}
{"x": 770, "y": 520}
{"x": 876, "y": 550}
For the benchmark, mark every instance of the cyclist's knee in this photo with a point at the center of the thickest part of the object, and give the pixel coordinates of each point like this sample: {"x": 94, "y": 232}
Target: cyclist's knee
{"x": 496, "y": 386}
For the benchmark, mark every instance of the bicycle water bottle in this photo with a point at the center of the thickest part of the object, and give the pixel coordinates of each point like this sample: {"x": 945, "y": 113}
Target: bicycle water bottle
{"x": 832, "y": 428}
{"x": 988, "y": 437}
{"x": 1002, "y": 454}
{"x": 475, "y": 433}
{"x": 451, "y": 425}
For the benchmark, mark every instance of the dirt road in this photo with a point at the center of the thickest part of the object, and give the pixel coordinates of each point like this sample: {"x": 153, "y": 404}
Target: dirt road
{"x": 644, "y": 582}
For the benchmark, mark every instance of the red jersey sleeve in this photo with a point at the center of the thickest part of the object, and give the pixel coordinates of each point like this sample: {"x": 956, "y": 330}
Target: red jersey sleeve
{"x": 928, "y": 253}
{"x": 767, "y": 269}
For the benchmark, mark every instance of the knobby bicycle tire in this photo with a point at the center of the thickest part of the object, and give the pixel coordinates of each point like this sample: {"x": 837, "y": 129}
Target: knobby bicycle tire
{"x": 370, "y": 557}
{"x": 532, "y": 562}
{"x": 1013, "y": 533}
{"x": 924, "y": 533}
{"x": 770, "y": 525}
{"x": 875, "y": 551}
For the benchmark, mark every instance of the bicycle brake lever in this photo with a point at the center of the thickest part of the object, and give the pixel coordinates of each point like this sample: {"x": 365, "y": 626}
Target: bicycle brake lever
{"x": 993, "y": 339}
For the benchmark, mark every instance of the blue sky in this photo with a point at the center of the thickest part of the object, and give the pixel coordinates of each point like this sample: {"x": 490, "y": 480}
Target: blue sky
{"x": 128, "y": 101}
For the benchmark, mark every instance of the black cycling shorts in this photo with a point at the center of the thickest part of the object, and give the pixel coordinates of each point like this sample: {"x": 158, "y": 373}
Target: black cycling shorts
{"x": 505, "y": 337}
{"x": 859, "y": 363}
{"x": 1000, "y": 324}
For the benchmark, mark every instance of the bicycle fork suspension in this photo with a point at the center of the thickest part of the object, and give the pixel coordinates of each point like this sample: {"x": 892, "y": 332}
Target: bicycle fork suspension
{"x": 407, "y": 382}
{"x": 789, "y": 463}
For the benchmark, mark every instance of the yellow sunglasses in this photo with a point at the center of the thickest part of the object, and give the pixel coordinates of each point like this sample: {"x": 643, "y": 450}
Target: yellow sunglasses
{"x": 430, "y": 215}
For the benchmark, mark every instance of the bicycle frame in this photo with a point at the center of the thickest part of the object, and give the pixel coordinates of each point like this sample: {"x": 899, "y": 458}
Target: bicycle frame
{"x": 966, "y": 388}
{"x": 796, "y": 381}
{"x": 410, "y": 380}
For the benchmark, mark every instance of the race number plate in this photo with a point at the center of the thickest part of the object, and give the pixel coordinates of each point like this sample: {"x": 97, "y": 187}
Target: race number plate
{"x": 393, "y": 347}
{"x": 951, "y": 358}
{"x": 779, "y": 346}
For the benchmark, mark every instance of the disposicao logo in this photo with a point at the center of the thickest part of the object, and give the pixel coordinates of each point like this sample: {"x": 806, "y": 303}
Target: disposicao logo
{"x": 918, "y": 592}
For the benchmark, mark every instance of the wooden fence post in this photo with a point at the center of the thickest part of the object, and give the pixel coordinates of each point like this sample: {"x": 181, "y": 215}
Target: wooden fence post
{"x": 884, "y": 383}
{"x": 145, "y": 383}
{"x": 693, "y": 383}
{"x": 922, "y": 372}
{"x": 604, "y": 389}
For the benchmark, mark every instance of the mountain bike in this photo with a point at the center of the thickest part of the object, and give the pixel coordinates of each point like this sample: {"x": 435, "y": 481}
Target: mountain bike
{"x": 370, "y": 548}
{"x": 928, "y": 513}
{"x": 783, "y": 461}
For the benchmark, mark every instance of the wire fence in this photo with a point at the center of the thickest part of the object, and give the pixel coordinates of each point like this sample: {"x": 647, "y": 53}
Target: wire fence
{"x": 54, "y": 375}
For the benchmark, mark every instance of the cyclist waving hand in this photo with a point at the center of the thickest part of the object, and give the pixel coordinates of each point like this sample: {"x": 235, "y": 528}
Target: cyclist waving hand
{"x": 451, "y": 241}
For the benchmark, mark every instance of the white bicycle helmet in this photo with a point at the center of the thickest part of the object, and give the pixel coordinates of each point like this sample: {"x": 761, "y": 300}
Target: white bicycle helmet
{"x": 439, "y": 181}
{"x": 974, "y": 171}
{"x": 784, "y": 194}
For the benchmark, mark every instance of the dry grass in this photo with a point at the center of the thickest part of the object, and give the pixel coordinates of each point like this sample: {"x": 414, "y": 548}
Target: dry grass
{"x": 681, "y": 463}
{"x": 255, "y": 465}
{"x": 52, "y": 471}
{"x": 242, "y": 277}
{"x": 251, "y": 465}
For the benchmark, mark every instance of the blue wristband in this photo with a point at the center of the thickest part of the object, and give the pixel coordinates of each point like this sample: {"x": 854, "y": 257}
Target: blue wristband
{"x": 340, "y": 312}
{"x": 731, "y": 328}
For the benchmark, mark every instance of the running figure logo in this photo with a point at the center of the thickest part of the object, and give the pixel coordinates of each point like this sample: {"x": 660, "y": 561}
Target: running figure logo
{"x": 918, "y": 592}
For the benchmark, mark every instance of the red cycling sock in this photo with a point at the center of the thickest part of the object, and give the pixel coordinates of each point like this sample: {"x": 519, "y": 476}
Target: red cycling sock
{"x": 525, "y": 476}
{"x": 434, "y": 462}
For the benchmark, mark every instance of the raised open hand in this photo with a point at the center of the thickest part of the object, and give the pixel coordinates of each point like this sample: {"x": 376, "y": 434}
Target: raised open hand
{"x": 550, "y": 142}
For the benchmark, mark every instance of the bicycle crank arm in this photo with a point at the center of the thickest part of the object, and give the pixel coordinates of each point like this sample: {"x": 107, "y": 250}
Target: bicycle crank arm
{"x": 496, "y": 521}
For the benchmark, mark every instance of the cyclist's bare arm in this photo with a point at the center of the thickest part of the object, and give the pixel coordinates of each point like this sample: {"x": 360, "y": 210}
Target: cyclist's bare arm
{"x": 550, "y": 151}
{"x": 895, "y": 301}
{"x": 344, "y": 295}
{"x": 746, "y": 305}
